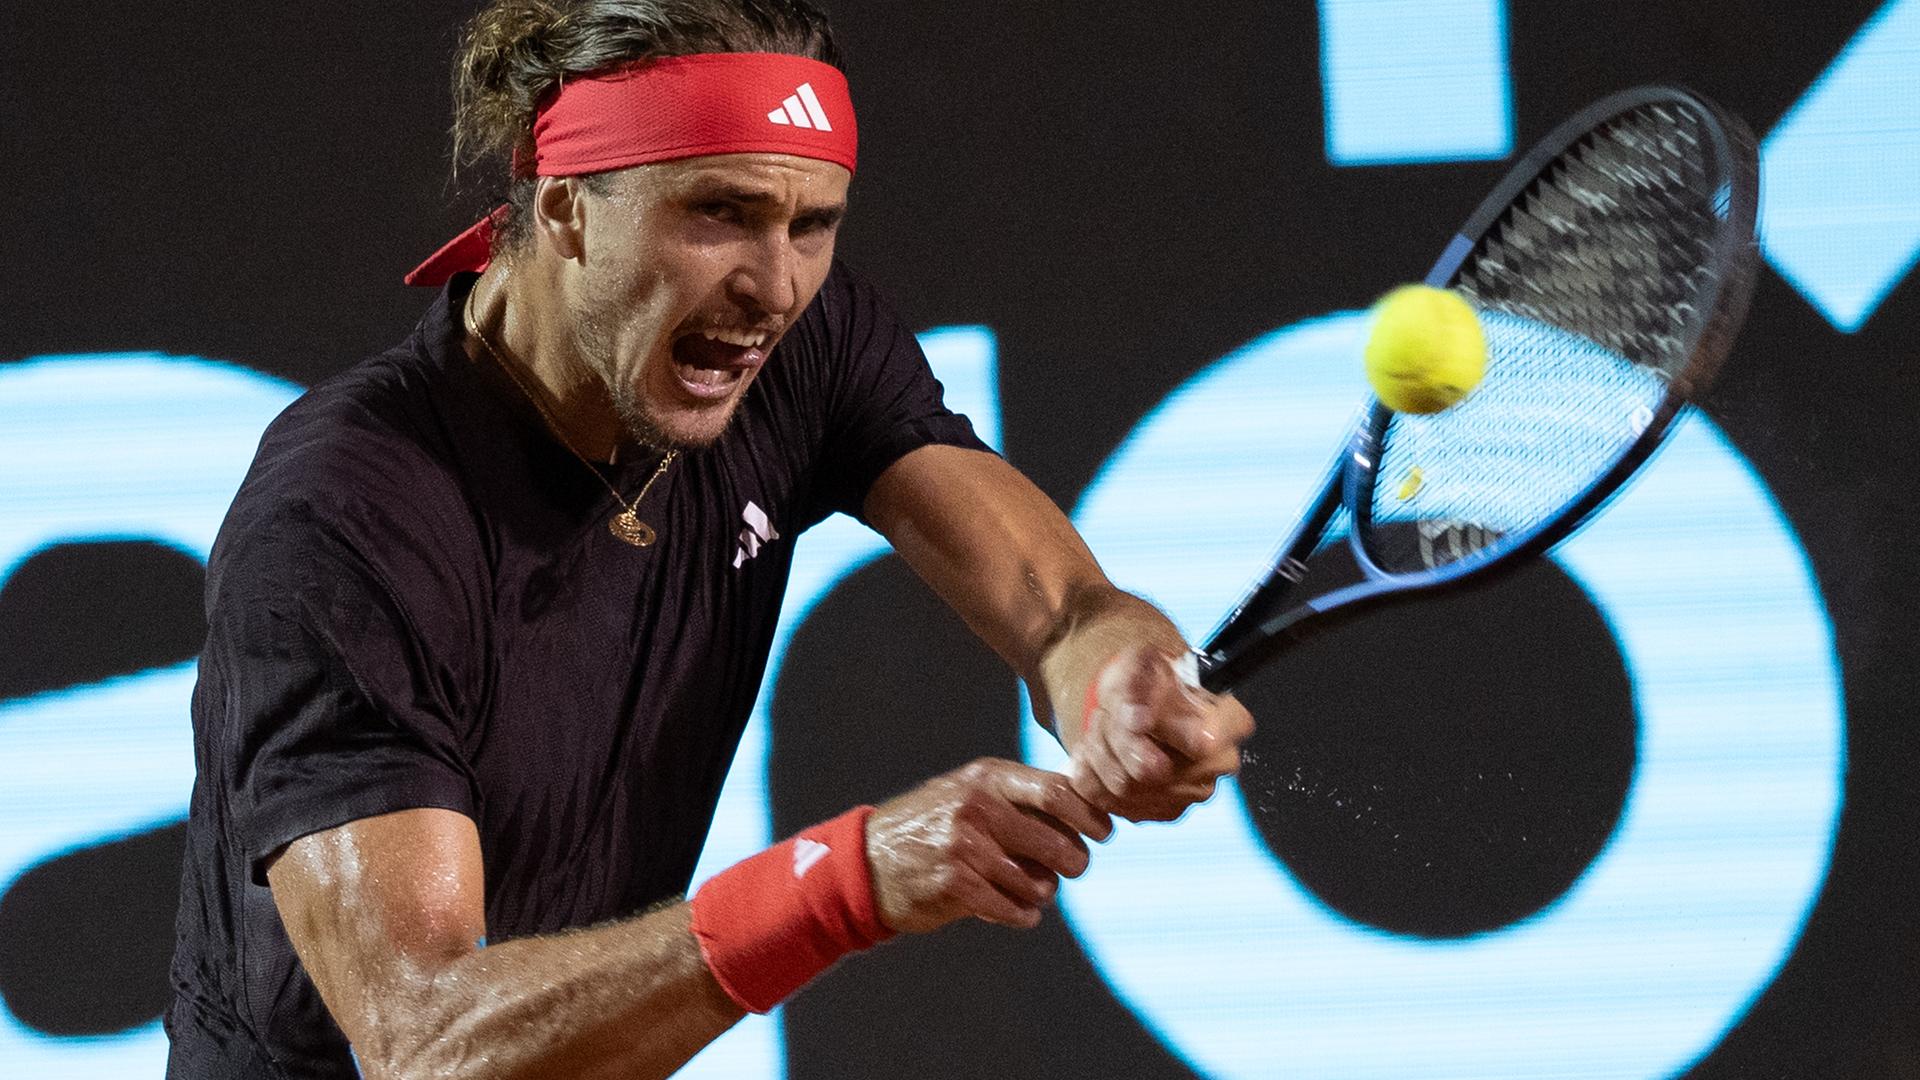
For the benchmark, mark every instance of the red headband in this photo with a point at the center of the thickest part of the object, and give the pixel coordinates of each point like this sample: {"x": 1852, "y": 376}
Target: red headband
{"x": 667, "y": 110}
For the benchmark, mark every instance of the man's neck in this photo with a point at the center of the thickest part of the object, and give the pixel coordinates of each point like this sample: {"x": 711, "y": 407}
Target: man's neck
{"x": 526, "y": 327}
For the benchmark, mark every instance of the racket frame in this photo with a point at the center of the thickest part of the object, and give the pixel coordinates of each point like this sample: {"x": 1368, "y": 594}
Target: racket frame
{"x": 1259, "y": 628}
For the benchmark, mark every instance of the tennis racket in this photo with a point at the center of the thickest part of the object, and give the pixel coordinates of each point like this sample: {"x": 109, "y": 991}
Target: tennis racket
{"x": 1611, "y": 270}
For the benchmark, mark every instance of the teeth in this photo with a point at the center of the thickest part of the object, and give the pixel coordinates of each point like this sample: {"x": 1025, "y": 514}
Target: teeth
{"x": 737, "y": 337}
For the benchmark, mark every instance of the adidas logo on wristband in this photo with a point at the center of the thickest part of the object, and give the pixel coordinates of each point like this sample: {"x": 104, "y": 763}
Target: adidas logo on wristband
{"x": 806, "y": 853}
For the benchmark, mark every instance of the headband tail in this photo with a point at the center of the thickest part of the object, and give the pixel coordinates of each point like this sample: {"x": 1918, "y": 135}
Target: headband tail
{"x": 471, "y": 250}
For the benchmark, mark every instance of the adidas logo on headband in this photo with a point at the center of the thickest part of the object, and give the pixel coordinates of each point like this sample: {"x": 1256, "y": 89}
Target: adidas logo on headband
{"x": 801, "y": 109}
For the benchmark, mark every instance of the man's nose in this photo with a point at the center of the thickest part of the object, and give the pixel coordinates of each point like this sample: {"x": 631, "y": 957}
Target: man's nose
{"x": 766, "y": 280}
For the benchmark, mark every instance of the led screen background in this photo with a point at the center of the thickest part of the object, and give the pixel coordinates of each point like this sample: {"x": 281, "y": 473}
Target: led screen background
{"x": 1643, "y": 811}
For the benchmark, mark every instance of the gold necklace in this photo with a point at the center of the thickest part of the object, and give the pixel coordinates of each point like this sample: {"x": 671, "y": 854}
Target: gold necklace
{"x": 626, "y": 526}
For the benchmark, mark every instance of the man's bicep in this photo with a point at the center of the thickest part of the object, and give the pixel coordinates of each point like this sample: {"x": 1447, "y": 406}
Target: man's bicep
{"x": 377, "y": 907}
{"x": 989, "y": 542}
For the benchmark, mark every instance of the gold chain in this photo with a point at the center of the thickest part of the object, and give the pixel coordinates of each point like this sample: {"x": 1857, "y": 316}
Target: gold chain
{"x": 626, "y": 525}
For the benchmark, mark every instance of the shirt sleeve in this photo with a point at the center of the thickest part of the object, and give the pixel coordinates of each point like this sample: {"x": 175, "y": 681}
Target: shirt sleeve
{"x": 885, "y": 401}
{"x": 337, "y": 706}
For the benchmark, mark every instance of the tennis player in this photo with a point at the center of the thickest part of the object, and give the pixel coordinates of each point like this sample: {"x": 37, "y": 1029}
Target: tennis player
{"x": 491, "y": 608}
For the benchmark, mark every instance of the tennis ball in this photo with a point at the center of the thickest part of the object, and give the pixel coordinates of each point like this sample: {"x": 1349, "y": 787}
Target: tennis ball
{"x": 1426, "y": 350}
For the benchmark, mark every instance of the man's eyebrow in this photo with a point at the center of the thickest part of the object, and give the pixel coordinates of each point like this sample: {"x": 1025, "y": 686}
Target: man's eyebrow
{"x": 732, "y": 193}
{"x": 829, "y": 212}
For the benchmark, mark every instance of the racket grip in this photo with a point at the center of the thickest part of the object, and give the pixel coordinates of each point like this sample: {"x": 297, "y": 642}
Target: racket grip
{"x": 1208, "y": 672}
{"x": 1222, "y": 669}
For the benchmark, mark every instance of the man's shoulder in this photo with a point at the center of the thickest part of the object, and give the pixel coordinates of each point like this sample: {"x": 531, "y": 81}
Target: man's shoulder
{"x": 390, "y": 392}
{"x": 378, "y": 424}
{"x": 848, "y": 293}
{"x": 363, "y": 459}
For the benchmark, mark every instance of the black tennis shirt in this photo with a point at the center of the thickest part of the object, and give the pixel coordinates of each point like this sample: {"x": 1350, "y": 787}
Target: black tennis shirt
{"x": 415, "y": 602}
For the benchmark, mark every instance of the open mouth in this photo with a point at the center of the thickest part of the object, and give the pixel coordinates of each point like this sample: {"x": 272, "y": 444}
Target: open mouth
{"x": 711, "y": 365}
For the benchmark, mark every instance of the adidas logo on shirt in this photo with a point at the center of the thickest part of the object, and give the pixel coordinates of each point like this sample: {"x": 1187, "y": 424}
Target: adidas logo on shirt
{"x": 759, "y": 531}
{"x": 802, "y": 110}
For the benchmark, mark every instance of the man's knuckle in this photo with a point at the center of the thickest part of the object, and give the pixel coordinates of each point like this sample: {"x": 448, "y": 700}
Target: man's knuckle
{"x": 943, "y": 880}
{"x": 1058, "y": 798}
{"x": 1085, "y": 784}
{"x": 972, "y": 810}
{"x": 960, "y": 845}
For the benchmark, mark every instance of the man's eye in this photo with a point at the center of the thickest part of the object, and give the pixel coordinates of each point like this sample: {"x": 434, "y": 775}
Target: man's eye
{"x": 812, "y": 226}
{"x": 719, "y": 211}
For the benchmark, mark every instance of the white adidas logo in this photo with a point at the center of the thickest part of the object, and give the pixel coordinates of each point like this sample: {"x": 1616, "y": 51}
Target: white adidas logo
{"x": 806, "y": 854}
{"x": 802, "y": 110}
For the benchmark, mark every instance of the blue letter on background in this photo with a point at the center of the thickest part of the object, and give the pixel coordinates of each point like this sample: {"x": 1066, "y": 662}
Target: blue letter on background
{"x": 1840, "y": 201}
{"x": 109, "y": 447}
{"x": 1415, "y": 80}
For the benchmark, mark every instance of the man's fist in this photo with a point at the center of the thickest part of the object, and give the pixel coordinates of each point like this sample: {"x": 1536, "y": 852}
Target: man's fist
{"x": 990, "y": 839}
{"x": 1152, "y": 743}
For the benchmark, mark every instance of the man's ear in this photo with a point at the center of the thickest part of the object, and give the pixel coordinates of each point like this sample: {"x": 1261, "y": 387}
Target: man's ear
{"x": 560, "y": 215}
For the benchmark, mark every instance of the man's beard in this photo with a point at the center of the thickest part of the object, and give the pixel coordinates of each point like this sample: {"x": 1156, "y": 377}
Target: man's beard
{"x": 593, "y": 345}
{"x": 640, "y": 424}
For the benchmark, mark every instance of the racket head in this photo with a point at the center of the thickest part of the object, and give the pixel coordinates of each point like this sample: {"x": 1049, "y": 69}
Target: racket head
{"x": 1611, "y": 268}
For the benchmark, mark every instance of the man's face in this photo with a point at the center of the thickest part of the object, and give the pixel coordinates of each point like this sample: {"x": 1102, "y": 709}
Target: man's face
{"x": 694, "y": 270}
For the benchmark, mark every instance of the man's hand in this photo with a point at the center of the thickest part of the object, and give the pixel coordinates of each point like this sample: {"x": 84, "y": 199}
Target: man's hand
{"x": 1153, "y": 743}
{"x": 990, "y": 839}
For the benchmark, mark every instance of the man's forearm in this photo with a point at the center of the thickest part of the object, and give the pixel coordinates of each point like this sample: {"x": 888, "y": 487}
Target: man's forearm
{"x": 626, "y": 999}
{"x": 385, "y": 914}
{"x": 1003, "y": 555}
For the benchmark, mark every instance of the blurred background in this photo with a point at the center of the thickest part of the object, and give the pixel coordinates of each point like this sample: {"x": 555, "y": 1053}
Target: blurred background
{"x": 1642, "y": 811}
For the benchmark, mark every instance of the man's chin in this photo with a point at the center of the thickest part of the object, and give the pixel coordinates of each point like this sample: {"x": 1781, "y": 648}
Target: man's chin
{"x": 694, "y": 429}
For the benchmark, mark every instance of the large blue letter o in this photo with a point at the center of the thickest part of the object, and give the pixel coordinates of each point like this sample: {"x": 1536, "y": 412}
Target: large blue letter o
{"x": 1684, "y": 917}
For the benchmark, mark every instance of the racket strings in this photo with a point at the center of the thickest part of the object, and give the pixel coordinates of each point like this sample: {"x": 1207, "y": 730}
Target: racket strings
{"x": 1592, "y": 290}
{"x": 1554, "y": 410}
{"x": 1614, "y": 241}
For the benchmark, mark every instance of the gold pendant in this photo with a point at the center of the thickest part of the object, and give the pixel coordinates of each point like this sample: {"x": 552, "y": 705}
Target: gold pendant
{"x": 629, "y": 529}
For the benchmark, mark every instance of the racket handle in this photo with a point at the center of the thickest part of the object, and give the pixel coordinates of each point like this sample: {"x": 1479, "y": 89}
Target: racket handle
{"x": 1209, "y": 671}
{"x": 1222, "y": 667}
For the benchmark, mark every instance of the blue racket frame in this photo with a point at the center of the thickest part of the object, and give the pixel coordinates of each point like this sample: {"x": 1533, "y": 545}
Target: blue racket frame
{"x": 1259, "y": 628}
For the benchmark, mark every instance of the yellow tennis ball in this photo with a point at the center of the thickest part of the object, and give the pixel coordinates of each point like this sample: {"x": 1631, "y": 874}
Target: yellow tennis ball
{"x": 1426, "y": 350}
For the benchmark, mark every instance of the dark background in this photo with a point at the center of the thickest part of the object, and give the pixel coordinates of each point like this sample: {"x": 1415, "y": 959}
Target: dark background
{"x": 248, "y": 182}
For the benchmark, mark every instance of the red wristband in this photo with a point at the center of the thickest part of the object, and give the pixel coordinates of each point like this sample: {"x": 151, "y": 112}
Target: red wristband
{"x": 768, "y": 924}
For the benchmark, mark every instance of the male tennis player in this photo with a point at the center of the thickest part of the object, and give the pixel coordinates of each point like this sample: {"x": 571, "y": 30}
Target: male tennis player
{"x": 490, "y": 610}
